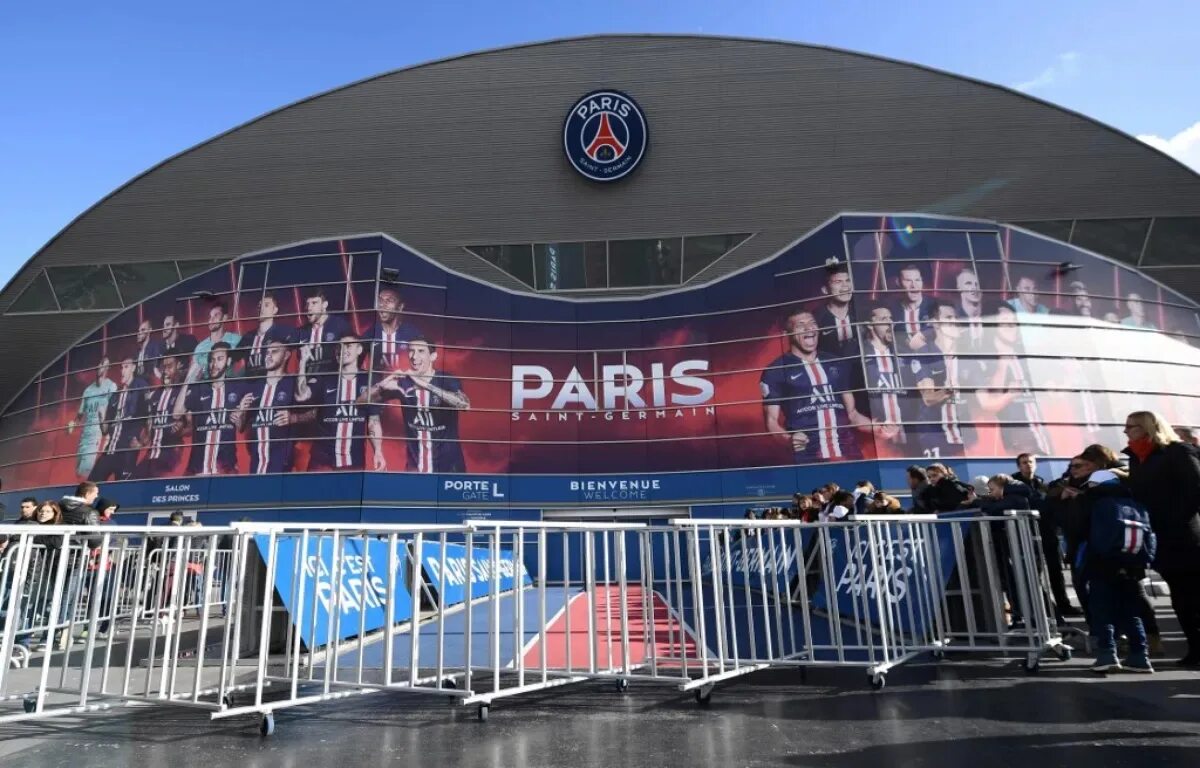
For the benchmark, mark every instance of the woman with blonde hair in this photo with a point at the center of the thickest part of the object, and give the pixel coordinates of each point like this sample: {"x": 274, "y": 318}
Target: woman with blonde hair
{"x": 1164, "y": 473}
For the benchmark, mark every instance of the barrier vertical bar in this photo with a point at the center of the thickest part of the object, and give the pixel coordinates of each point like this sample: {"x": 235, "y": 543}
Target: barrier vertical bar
{"x": 210, "y": 557}
{"x": 470, "y": 608}
{"x": 300, "y": 572}
{"x": 414, "y": 635}
{"x": 441, "y": 608}
{"x": 389, "y": 633}
{"x": 264, "y": 637}
{"x": 518, "y": 557}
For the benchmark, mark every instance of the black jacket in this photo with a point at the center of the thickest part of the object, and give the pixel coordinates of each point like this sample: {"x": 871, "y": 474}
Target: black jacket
{"x": 1017, "y": 495}
{"x": 918, "y": 499}
{"x": 1069, "y": 514}
{"x": 76, "y": 511}
{"x": 1037, "y": 487}
{"x": 947, "y": 495}
{"x": 1168, "y": 483}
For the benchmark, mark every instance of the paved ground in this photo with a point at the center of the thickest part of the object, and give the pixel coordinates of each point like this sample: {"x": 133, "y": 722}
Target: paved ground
{"x": 950, "y": 714}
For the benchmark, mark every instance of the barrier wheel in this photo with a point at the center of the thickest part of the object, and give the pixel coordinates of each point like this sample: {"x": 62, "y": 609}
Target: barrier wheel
{"x": 483, "y": 713}
{"x": 878, "y": 681}
{"x": 704, "y": 696}
{"x": 449, "y": 683}
{"x": 622, "y": 685}
{"x": 29, "y": 705}
{"x": 1063, "y": 652}
{"x": 267, "y": 725}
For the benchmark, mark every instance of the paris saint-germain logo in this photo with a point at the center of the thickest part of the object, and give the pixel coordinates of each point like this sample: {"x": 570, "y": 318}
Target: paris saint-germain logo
{"x": 605, "y": 135}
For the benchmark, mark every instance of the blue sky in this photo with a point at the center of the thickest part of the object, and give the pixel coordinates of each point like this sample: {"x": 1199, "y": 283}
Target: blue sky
{"x": 95, "y": 93}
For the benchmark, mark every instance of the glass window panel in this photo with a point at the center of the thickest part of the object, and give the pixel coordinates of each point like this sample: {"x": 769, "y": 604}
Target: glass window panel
{"x": 37, "y": 297}
{"x": 189, "y": 268}
{"x": 699, "y": 252}
{"x": 84, "y": 287}
{"x": 563, "y": 266}
{"x": 644, "y": 262}
{"x": 1120, "y": 239}
{"x": 137, "y": 281}
{"x": 1174, "y": 240}
{"x": 985, "y": 246}
{"x": 1059, "y": 230}
{"x": 516, "y": 260}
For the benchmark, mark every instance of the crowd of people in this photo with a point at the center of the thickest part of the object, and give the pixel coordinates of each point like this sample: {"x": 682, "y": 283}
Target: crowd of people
{"x": 85, "y": 507}
{"x": 1108, "y": 520}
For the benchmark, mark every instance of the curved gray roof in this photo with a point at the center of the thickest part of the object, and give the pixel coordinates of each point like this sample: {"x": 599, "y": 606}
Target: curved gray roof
{"x": 748, "y": 136}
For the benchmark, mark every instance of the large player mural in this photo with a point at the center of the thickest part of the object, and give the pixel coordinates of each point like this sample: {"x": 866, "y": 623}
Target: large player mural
{"x": 912, "y": 338}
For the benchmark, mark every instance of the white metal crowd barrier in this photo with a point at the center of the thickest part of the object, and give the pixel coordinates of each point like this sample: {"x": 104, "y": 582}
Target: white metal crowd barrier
{"x": 94, "y": 617}
{"x": 297, "y": 615}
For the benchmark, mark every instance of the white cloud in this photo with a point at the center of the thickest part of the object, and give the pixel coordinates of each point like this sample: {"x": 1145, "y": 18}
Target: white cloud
{"x": 1183, "y": 146}
{"x": 1065, "y": 67}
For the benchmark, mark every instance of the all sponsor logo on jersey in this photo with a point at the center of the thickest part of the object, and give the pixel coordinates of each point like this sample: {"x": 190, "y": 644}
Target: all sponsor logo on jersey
{"x": 605, "y": 135}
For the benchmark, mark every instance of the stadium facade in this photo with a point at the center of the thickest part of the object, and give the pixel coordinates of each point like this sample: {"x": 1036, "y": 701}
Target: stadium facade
{"x": 604, "y": 276}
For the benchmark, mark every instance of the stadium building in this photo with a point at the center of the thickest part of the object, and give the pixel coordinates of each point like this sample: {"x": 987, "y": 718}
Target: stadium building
{"x": 609, "y": 276}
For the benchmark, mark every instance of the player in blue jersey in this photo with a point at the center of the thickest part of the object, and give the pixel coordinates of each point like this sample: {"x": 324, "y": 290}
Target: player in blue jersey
{"x": 209, "y": 406}
{"x": 837, "y": 338}
{"x": 914, "y": 311}
{"x": 1006, "y": 392}
{"x": 218, "y": 315}
{"x": 122, "y": 427}
{"x": 322, "y": 333}
{"x": 431, "y": 400}
{"x": 886, "y": 390}
{"x": 267, "y": 412}
{"x": 92, "y": 408}
{"x": 148, "y": 353}
{"x": 344, "y": 417}
{"x": 941, "y": 375}
{"x": 163, "y": 428}
{"x": 802, "y": 404}
{"x": 252, "y": 349}
{"x": 390, "y": 334}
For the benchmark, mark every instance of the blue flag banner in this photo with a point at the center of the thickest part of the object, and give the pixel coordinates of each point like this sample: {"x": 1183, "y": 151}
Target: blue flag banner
{"x": 478, "y": 573}
{"x": 906, "y": 561}
{"x": 363, "y": 583}
{"x": 763, "y": 559}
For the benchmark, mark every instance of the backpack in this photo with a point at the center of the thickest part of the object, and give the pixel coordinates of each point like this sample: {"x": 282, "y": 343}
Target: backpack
{"x": 1120, "y": 532}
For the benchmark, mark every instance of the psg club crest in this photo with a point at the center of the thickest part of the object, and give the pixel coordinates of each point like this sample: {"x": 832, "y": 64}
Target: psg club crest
{"x": 605, "y": 135}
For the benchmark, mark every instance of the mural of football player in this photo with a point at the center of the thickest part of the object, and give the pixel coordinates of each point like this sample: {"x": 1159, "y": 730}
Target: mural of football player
{"x": 163, "y": 428}
{"x": 835, "y": 318}
{"x": 92, "y": 408}
{"x": 940, "y": 376}
{"x": 805, "y": 402}
{"x": 1136, "y": 318}
{"x": 207, "y": 402}
{"x": 969, "y": 311}
{"x": 148, "y": 352}
{"x": 390, "y": 334}
{"x": 344, "y": 420}
{"x": 886, "y": 389}
{"x": 914, "y": 310}
{"x": 122, "y": 427}
{"x": 252, "y": 349}
{"x": 267, "y": 412}
{"x": 218, "y": 316}
{"x": 322, "y": 333}
{"x": 1005, "y": 388}
{"x": 431, "y": 400}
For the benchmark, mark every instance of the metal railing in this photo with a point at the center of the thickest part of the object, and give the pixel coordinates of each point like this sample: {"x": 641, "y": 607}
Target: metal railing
{"x": 297, "y": 615}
